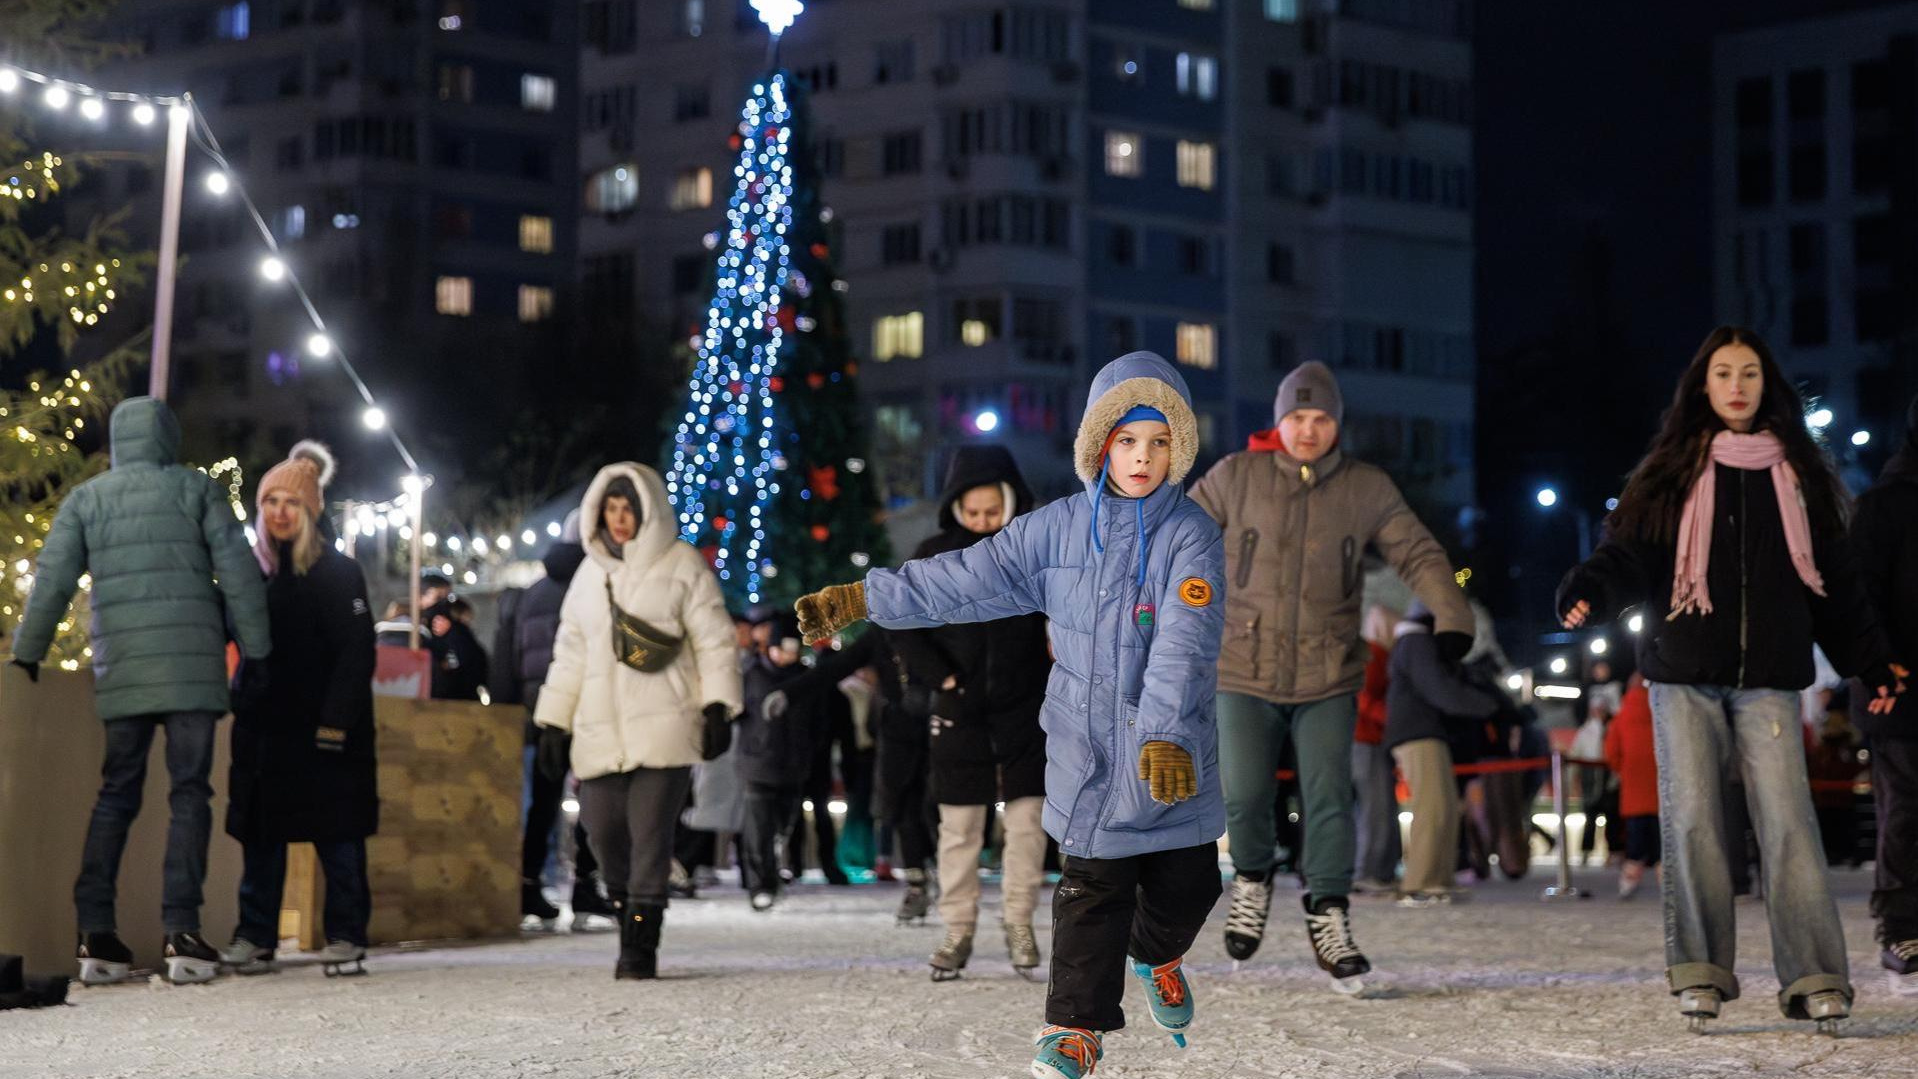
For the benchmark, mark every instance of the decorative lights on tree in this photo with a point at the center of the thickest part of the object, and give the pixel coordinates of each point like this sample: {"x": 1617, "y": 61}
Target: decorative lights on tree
{"x": 767, "y": 468}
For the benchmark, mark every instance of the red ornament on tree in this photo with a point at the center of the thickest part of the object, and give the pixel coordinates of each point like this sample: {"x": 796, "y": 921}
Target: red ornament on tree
{"x": 824, "y": 480}
{"x": 787, "y": 318}
{"x": 820, "y": 532}
{"x": 815, "y": 380}
{"x": 737, "y": 387}
{"x": 720, "y": 523}
{"x": 735, "y": 141}
{"x": 776, "y": 384}
{"x": 819, "y": 251}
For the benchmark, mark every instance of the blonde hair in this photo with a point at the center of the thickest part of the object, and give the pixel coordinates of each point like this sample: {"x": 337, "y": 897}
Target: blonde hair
{"x": 308, "y": 546}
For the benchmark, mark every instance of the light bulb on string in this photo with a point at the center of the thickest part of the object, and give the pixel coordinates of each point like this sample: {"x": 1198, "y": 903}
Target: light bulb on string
{"x": 143, "y": 114}
{"x": 57, "y": 97}
{"x": 9, "y": 80}
{"x": 320, "y": 346}
{"x": 272, "y": 268}
{"x": 218, "y": 183}
{"x": 93, "y": 109}
{"x": 374, "y": 418}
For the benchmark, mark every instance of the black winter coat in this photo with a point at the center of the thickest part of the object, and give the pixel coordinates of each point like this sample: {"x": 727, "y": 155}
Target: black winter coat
{"x": 528, "y": 624}
{"x": 1764, "y": 620}
{"x": 303, "y": 765}
{"x": 777, "y": 752}
{"x": 1430, "y": 698}
{"x": 1884, "y": 536}
{"x": 459, "y": 662}
{"x": 987, "y": 743}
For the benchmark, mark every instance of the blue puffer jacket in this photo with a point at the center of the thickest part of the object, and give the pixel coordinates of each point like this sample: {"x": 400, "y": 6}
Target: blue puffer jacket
{"x": 1126, "y": 675}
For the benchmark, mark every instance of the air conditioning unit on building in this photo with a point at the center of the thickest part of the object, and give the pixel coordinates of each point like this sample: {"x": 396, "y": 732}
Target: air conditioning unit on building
{"x": 945, "y": 74}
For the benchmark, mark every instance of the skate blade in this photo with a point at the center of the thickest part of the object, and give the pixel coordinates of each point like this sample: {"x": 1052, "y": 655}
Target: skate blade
{"x": 593, "y": 923}
{"x": 1698, "y": 1024}
{"x": 1903, "y": 985}
{"x": 1350, "y": 987}
{"x": 1829, "y": 1027}
{"x": 350, "y": 969}
{"x": 181, "y": 970}
{"x": 1179, "y": 1040}
{"x": 539, "y": 925}
{"x": 1237, "y": 964}
{"x": 255, "y": 966}
{"x": 940, "y": 974}
{"x": 102, "y": 972}
{"x": 1030, "y": 974}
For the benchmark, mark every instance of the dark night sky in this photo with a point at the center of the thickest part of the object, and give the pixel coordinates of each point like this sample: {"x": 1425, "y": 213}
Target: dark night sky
{"x": 1594, "y": 273}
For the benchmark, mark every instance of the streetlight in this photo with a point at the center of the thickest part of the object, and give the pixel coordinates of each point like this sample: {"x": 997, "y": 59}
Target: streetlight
{"x": 1560, "y": 665}
{"x": 1547, "y": 497}
{"x": 1860, "y": 438}
{"x": 1636, "y": 623}
{"x": 1600, "y": 646}
{"x": 1818, "y": 419}
{"x": 987, "y": 421}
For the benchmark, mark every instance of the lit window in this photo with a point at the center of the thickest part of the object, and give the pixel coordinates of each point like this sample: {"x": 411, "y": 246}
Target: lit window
{"x": 1196, "y": 5}
{"x": 692, "y": 189}
{"x": 453, "y": 296}
{"x": 292, "y": 223}
{"x": 899, "y": 336}
{"x": 614, "y": 190}
{"x": 1198, "y": 345}
{"x": 535, "y": 303}
{"x": 1282, "y": 10}
{"x": 234, "y": 22}
{"x": 974, "y": 332}
{"x": 1198, "y": 75}
{"x": 1196, "y": 165}
{"x": 1125, "y": 153}
{"x": 537, "y": 92}
{"x": 535, "y": 234}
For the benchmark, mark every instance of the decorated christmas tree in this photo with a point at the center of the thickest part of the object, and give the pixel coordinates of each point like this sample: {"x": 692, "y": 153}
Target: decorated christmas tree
{"x": 767, "y": 469}
{"x": 56, "y": 286}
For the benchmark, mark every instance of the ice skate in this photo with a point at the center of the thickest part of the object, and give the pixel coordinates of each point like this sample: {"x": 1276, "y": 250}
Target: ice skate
{"x": 1329, "y": 925}
{"x": 679, "y": 883}
{"x": 1699, "y": 1005}
{"x": 592, "y": 913}
{"x": 953, "y": 952}
{"x": 762, "y": 902}
{"x": 1630, "y": 876}
{"x": 1067, "y": 1053}
{"x": 1245, "y": 922}
{"x": 1900, "y": 960}
{"x": 243, "y": 956}
{"x": 1168, "y": 995}
{"x": 913, "y": 905}
{"x": 537, "y": 914}
{"x": 104, "y": 959}
{"x": 1023, "y": 949}
{"x": 1827, "y": 1009}
{"x": 190, "y": 959}
{"x": 1421, "y": 900}
{"x": 343, "y": 959}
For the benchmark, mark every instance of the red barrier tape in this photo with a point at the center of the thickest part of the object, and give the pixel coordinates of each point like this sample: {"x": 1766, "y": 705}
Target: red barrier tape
{"x": 1533, "y": 764}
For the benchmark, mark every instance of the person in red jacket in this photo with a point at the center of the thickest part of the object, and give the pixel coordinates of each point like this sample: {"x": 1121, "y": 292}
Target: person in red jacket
{"x": 1630, "y": 752}
{"x": 1380, "y": 845}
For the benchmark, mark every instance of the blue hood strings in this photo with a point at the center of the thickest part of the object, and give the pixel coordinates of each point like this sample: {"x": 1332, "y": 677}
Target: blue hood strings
{"x": 1138, "y": 505}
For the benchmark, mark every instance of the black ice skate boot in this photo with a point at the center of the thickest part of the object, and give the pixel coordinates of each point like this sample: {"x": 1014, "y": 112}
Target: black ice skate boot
{"x": 534, "y": 904}
{"x": 190, "y": 959}
{"x": 639, "y": 943}
{"x": 591, "y": 911}
{"x": 1245, "y": 921}
{"x": 104, "y": 959}
{"x": 1900, "y": 960}
{"x": 1328, "y": 923}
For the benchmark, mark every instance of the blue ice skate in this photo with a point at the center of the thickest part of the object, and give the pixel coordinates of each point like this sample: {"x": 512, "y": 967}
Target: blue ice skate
{"x": 1067, "y": 1053}
{"x": 1167, "y": 991}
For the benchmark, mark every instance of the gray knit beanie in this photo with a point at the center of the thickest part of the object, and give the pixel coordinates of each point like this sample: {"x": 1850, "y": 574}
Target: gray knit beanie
{"x": 1310, "y": 385}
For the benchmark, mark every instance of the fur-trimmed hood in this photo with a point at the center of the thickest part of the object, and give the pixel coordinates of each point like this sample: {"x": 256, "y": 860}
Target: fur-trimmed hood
{"x": 1137, "y": 378}
{"x": 656, "y": 531}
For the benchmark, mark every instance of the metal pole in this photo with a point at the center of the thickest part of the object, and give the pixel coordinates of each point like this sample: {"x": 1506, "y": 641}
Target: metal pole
{"x": 419, "y": 522}
{"x": 178, "y": 116}
{"x": 1564, "y": 889}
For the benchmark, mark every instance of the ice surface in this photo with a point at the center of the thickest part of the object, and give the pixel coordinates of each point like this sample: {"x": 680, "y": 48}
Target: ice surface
{"x": 826, "y": 986}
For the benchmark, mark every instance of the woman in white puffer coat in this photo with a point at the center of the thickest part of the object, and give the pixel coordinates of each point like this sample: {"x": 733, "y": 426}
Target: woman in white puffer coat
{"x": 637, "y": 733}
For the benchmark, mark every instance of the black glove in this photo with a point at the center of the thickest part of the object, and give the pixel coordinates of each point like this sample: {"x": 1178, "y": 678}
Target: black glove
{"x": 249, "y": 686}
{"x": 554, "y": 755}
{"x": 1453, "y": 646}
{"x": 32, "y": 669}
{"x": 1886, "y": 676}
{"x": 717, "y": 735}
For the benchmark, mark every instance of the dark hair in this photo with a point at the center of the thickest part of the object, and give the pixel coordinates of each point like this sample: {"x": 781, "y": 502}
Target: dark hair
{"x": 1655, "y": 494}
{"x": 618, "y": 487}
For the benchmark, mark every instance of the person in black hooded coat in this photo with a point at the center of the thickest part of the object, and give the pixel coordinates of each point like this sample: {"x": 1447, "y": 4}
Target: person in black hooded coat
{"x": 1885, "y": 541}
{"x": 989, "y": 682}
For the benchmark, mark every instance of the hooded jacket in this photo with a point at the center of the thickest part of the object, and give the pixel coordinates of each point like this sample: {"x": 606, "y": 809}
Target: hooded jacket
{"x": 1425, "y": 696}
{"x": 1135, "y": 661}
{"x": 171, "y": 570}
{"x": 621, "y": 718}
{"x": 988, "y": 745}
{"x": 1294, "y": 537}
{"x": 1884, "y": 536}
{"x": 528, "y": 625}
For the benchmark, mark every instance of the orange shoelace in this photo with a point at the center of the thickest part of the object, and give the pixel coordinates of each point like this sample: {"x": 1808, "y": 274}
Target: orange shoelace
{"x": 1168, "y": 984}
{"x": 1079, "y": 1046}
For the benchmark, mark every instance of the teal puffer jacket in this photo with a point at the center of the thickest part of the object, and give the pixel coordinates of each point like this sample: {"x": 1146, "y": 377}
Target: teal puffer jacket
{"x": 169, "y": 564}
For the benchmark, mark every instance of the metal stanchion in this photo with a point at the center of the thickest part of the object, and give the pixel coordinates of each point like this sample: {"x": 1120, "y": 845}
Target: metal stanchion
{"x": 1564, "y": 889}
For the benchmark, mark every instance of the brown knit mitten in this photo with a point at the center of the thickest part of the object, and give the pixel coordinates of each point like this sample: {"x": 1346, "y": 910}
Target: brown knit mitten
{"x": 830, "y": 610}
{"x": 1167, "y": 768}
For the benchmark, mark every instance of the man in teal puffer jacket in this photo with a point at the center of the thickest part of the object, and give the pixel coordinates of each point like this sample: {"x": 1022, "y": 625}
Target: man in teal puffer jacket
{"x": 171, "y": 571}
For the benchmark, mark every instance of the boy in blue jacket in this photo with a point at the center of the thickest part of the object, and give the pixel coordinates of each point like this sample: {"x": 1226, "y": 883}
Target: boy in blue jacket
{"x": 1131, "y": 575}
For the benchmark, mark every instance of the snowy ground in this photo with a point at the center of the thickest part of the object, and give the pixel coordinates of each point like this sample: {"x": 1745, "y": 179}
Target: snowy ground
{"x": 827, "y": 987}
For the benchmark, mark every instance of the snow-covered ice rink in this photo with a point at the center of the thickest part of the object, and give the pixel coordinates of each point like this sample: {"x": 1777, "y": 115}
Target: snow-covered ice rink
{"x": 826, "y": 986}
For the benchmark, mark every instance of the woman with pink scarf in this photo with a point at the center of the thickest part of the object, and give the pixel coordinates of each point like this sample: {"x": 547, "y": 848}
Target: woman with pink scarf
{"x": 1730, "y": 538}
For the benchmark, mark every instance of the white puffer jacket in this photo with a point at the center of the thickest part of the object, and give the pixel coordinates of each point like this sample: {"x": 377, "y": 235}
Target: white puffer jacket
{"x": 620, "y": 718}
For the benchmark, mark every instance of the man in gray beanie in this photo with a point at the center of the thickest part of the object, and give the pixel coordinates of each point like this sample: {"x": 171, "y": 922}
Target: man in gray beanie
{"x": 1298, "y": 515}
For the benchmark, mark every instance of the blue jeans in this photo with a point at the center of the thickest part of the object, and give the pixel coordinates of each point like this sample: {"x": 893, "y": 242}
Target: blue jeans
{"x": 123, "y": 777}
{"x": 1701, "y": 733}
{"x": 1252, "y": 734}
{"x": 348, "y": 903}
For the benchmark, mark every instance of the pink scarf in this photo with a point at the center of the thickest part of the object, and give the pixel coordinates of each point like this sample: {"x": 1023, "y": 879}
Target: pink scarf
{"x": 1750, "y": 452}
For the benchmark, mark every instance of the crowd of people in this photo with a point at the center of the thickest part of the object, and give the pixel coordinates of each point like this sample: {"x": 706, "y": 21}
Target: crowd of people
{"x": 1101, "y": 687}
